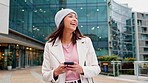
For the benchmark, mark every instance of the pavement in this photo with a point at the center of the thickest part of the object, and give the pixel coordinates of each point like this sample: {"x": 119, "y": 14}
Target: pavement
{"x": 33, "y": 75}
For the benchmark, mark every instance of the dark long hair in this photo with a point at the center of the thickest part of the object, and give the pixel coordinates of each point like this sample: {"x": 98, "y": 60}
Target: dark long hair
{"x": 59, "y": 33}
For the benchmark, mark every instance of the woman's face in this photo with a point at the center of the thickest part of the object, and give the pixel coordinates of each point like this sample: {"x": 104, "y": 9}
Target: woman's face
{"x": 70, "y": 22}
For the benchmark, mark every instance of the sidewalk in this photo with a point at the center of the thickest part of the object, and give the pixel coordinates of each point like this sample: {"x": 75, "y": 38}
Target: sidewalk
{"x": 33, "y": 75}
{"x": 121, "y": 79}
{"x": 27, "y": 75}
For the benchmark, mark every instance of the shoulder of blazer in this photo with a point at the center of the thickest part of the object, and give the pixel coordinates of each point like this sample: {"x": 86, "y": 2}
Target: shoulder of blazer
{"x": 86, "y": 39}
{"x": 50, "y": 44}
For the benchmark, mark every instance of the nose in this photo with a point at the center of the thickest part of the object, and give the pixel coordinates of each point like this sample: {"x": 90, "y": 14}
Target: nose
{"x": 75, "y": 19}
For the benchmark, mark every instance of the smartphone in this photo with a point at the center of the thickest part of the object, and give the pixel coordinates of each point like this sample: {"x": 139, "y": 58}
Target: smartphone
{"x": 68, "y": 63}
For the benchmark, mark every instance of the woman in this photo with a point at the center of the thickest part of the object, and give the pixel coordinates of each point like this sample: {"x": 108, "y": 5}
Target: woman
{"x": 67, "y": 44}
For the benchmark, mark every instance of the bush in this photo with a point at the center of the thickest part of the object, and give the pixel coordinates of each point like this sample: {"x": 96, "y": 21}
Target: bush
{"x": 130, "y": 59}
{"x": 108, "y": 58}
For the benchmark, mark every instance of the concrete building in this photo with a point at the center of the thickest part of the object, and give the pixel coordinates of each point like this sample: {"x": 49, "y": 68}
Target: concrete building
{"x": 140, "y": 23}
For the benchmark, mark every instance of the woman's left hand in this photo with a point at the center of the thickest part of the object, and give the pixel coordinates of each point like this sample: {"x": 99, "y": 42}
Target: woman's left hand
{"x": 76, "y": 68}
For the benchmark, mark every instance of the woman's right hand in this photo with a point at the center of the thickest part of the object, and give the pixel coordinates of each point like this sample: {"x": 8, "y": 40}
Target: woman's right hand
{"x": 60, "y": 70}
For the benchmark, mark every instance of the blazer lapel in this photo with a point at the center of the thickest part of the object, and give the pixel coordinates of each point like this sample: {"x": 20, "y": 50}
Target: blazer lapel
{"x": 57, "y": 51}
{"x": 81, "y": 47}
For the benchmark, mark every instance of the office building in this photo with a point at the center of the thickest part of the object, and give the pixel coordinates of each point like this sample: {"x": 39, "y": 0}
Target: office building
{"x": 121, "y": 37}
{"x": 106, "y": 22}
{"x": 24, "y": 43}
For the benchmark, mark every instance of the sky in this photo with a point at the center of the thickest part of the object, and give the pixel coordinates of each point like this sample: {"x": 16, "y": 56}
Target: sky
{"x": 136, "y": 5}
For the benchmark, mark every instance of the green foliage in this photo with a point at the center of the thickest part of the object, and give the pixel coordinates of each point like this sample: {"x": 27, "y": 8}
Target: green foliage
{"x": 9, "y": 60}
{"x": 114, "y": 58}
{"x": 130, "y": 59}
{"x": 108, "y": 58}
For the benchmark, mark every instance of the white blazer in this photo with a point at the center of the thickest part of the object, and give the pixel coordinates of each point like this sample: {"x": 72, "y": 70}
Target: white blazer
{"x": 53, "y": 56}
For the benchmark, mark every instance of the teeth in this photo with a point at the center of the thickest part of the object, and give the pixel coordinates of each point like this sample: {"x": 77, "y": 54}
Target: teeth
{"x": 72, "y": 24}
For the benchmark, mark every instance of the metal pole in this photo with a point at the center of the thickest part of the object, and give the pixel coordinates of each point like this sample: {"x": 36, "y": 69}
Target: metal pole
{"x": 113, "y": 68}
{"x": 137, "y": 69}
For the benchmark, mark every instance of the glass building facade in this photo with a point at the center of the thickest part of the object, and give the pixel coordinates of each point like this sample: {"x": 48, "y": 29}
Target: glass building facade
{"x": 107, "y": 23}
{"x": 31, "y": 17}
{"x": 35, "y": 18}
{"x": 22, "y": 56}
{"x": 92, "y": 17}
{"x": 121, "y": 37}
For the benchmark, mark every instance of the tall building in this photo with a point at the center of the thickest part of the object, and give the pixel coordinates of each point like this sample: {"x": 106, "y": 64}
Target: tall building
{"x": 140, "y": 23}
{"x": 106, "y": 22}
{"x": 92, "y": 16}
{"x": 121, "y": 37}
{"x": 24, "y": 43}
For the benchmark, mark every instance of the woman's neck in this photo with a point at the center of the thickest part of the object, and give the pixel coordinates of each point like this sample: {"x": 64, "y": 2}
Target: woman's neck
{"x": 66, "y": 39}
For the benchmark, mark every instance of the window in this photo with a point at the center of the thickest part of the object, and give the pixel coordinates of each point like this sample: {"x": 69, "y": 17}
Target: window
{"x": 144, "y": 29}
{"x": 145, "y": 49}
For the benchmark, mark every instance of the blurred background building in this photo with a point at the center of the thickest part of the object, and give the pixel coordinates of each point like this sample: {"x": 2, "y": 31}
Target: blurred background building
{"x": 140, "y": 22}
{"x": 107, "y": 23}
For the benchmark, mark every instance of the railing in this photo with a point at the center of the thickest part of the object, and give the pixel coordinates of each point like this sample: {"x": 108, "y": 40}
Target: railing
{"x": 127, "y": 67}
{"x": 141, "y": 68}
{"x": 110, "y": 68}
{"x": 115, "y": 68}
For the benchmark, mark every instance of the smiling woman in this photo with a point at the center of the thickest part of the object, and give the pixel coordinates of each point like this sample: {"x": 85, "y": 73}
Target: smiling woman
{"x": 70, "y": 23}
{"x": 68, "y": 55}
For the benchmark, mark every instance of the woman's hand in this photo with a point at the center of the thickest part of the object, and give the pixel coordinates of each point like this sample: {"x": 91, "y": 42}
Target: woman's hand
{"x": 60, "y": 69}
{"x": 76, "y": 68}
